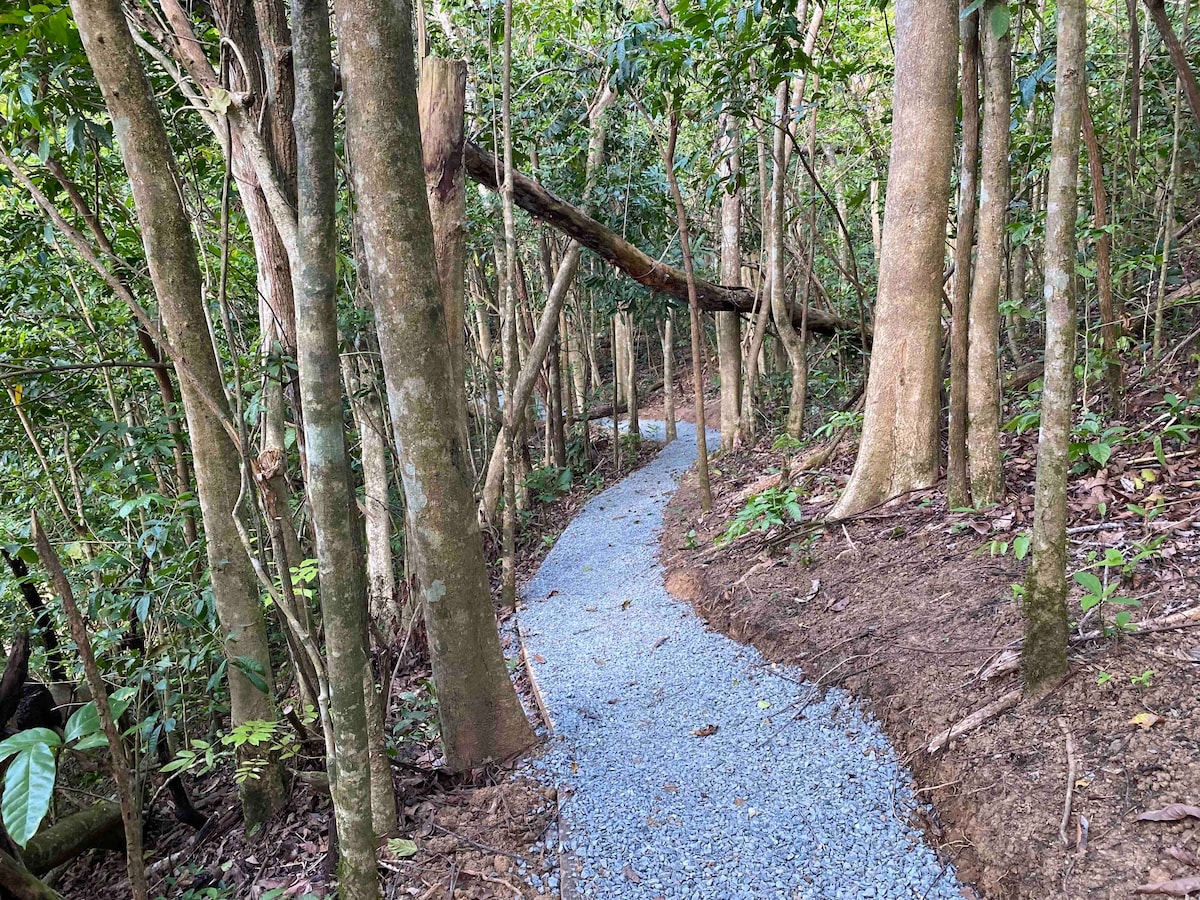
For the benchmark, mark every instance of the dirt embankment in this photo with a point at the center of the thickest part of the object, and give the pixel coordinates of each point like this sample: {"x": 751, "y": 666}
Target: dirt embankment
{"x": 907, "y": 607}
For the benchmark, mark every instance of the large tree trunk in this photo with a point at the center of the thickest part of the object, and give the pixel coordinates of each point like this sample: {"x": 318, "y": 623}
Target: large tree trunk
{"x": 614, "y": 249}
{"x": 481, "y": 717}
{"x": 899, "y": 447}
{"x": 1044, "y": 652}
{"x": 983, "y": 380}
{"x": 335, "y": 524}
{"x": 729, "y": 329}
{"x": 957, "y": 487}
{"x": 175, "y": 273}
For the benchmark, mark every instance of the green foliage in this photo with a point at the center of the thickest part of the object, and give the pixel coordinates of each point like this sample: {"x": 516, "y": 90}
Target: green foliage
{"x": 851, "y": 419}
{"x": 548, "y": 483}
{"x": 417, "y": 721}
{"x": 762, "y": 512}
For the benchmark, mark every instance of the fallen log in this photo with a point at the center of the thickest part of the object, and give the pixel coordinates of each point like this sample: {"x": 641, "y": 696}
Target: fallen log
{"x": 98, "y": 826}
{"x": 536, "y": 200}
{"x": 18, "y": 882}
{"x": 606, "y": 411}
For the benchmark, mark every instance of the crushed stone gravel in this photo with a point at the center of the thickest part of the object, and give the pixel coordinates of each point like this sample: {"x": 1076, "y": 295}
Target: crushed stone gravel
{"x": 687, "y": 765}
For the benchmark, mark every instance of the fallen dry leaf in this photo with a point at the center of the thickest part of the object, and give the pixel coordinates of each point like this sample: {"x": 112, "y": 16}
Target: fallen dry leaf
{"x": 1184, "y": 856}
{"x": 538, "y": 658}
{"x": 1172, "y": 813}
{"x": 633, "y": 876}
{"x": 1180, "y": 887}
{"x": 671, "y": 788}
{"x": 707, "y": 731}
{"x": 1146, "y": 721}
{"x": 739, "y": 801}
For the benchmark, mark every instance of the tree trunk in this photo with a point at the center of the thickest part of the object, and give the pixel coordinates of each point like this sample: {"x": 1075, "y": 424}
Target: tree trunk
{"x": 899, "y": 447}
{"x": 441, "y": 99}
{"x": 668, "y": 348}
{"x": 729, "y": 328}
{"x": 685, "y": 246}
{"x": 330, "y": 498}
{"x": 776, "y": 267}
{"x": 175, "y": 273}
{"x": 983, "y": 380}
{"x": 1044, "y": 652}
{"x": 372, "y": 431}
{"x": 481, "y": 717}
{"x": 958, "y": 492}
{"x": 127, "y": 787}
{"x": 1110, "y": 326}
{"x": 1179, "y": 57}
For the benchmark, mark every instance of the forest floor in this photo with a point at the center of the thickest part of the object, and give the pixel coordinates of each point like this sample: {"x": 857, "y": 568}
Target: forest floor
{"x": 911, "y": 608}
{"x": 471, "y": 834}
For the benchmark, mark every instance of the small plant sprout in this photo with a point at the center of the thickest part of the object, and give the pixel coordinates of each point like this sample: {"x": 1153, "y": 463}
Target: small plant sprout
{"x": 1144, "y": 680}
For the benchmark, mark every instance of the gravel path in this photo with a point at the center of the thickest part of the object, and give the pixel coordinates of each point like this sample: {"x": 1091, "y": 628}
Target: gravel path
{"x": 658, "y": 804}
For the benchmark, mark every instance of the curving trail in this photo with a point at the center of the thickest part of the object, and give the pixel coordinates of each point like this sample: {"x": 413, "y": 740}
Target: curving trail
{"x": 658, "y": 803}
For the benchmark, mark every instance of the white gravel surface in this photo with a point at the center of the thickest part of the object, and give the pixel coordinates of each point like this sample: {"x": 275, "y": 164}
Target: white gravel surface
{"x": 767, "y": 805}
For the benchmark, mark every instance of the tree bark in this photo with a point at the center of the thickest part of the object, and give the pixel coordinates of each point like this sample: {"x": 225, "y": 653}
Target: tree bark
{"x": 481, "y": 717}
{"x": 131, "y": 807}
{"x": 899, "y": 447}
{"x": 1110, "y": 326}
{"x": 729, "y": 324}
{"x": 1179, "y": 57}
{"x": 1044, "y": 652}
{"x": 958, "y": 492}
{"x": 175, "y": 273}
{"x": 983, "y": 380}
{"x": 618, "y": 252}
{"x": 441, "y": 99}
{"x": 330, "y": 498}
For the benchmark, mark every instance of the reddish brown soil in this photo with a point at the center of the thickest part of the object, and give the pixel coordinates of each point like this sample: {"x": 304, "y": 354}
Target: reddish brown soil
{"x": 909, "y": 610}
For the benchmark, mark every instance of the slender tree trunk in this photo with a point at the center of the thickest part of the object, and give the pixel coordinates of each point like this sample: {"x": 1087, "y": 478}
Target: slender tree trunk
{"x": 1179, "y": 57}
{"x": 175, "y": 273}
{"x": 983, "y": 380}
{"x": 685, "y": 246}
{"x": 335, "y": 526}
{"x": 1168, "y": 230}
{"x": 899, "y": 447}
{"x": 1044, "y": 652}
{"x": 131, "y": 807}
{"x": 668, "y": 347}
{"x": 957, "y": 487}
{"x": 631, "y": 388}
{"x": 776, "y": 266}
{"x": 729, "y": 330}
{"x": 481, "y": 717}
{"x": 1110, "y": 326}
{"x": 370, "y": 420}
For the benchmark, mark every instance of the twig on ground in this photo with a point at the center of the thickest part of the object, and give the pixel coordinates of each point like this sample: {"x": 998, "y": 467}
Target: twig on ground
{"x": 975, "y": 719}
{"x": 1066, "y": 816}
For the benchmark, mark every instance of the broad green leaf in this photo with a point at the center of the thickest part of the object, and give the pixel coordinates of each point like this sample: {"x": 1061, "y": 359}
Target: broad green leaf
{"x": 28, "y": 786}
{"x": 1090, "y": 582}
{"x": 402, "y": 848}
{"x": 23, "y": 740}
{"x": 1021, "y": 545}
{"x": 1100, "y": 452}
{"x": 1000, "y": 20}
{"x": 86, "y": 721}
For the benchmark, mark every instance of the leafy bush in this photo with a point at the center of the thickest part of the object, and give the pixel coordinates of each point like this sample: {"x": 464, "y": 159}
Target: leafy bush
{"x": 762, "y": 512}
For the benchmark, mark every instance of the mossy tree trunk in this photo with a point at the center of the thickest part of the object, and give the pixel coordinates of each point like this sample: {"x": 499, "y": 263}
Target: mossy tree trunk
{"x": 481, "y": 716}
{"x": 334, "y": 514}
{"x": 1044, "y": 652}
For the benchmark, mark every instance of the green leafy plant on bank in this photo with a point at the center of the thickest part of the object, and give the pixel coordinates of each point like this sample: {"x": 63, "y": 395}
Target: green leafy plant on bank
{"x": 763, "y": 511}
